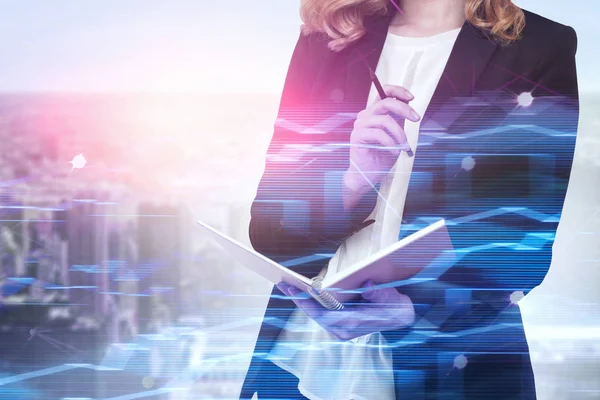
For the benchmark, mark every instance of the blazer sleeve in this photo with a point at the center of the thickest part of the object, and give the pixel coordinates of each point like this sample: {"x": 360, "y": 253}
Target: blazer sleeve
{"x": 559, "y": 72}
{"x": 558, "y": 78}
{"x": 298, "y": 208}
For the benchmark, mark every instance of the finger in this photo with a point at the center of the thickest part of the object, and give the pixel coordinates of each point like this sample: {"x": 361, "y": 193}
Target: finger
{"x": 359, "y": 326}
{"x": 283, "y": 287}
{"x": 309, "y": 305}
{"x": 387, "y": 296}
{"x": 398, "y": 92}
{"x": 331, "y": 322}
{"x": 366, "y": 326}
{"x": 286, "y": 288}
{"x": 383, "y": 296}
{"x": 388, "y": 317}
{"x": 386, "y": 122}
{"x": 349, "y": 324}
{"x": 376, "y": 137}
{"x": 347, "y": 327}
{"x": 368, "y": 284}
{"x": 336, "y": 317}
{"x": 394, "y": 106}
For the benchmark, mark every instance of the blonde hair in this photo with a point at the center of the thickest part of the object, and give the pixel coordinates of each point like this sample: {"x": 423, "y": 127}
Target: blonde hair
{"x": 343, "y": 20}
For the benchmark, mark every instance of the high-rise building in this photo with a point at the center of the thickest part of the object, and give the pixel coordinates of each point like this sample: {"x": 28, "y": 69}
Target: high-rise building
{"x": 164, "y": 252}
{"x": 11, "y": 236}
{"x": 88, "y": 250}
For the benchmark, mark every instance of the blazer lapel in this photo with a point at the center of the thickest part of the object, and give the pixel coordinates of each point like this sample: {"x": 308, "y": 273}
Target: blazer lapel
{"x": 363, "y": 54}
{"x": 469, "y": 57}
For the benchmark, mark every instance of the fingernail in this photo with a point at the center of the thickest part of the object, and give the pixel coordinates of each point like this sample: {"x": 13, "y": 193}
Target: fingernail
{"x": 414, "y": 116}
{"x": 409, "y": 152}
{"x": 409, "y": 94}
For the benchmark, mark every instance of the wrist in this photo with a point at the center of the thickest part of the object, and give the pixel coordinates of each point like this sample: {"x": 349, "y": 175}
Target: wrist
{"x": 354, "y": 186}
{"x": 355, "y": 183}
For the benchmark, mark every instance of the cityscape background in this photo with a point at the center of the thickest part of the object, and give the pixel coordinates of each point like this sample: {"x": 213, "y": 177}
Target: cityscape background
{"x": 106, "y": 286}
{"x": 100, "y": 256}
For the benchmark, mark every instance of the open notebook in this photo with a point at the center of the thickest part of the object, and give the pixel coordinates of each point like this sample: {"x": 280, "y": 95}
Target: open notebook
{"x": 423, "y": 255}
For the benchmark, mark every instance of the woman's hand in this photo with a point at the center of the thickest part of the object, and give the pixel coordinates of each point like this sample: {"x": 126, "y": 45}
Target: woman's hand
{"x": 376, "y": 141}
{"x": 385, "y": 309}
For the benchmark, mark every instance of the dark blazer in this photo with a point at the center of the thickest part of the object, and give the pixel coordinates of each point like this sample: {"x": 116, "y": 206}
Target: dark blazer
{"x": 496, "y": 171}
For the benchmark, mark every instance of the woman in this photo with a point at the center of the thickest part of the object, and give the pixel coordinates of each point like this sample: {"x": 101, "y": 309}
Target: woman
{"x": 485, "y": 96}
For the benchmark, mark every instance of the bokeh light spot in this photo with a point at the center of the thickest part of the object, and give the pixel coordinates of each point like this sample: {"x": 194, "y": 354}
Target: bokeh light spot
{"x": 468, "y": 163}
{"x": 515, "y": 297}
{"x": 460, "y": 361}
{"x": 148, "y": 382}
{"x": 525, "y": 99}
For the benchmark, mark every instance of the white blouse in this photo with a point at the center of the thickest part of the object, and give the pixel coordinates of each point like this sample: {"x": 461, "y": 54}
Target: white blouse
{"x": 330, "y": 369}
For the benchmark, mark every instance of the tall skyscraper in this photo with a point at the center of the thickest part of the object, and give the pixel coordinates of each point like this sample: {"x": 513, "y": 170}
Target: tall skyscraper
{"x": 164, "y": 252}
{"x": 88, "y": 249}
{"x": 11, "y": 236}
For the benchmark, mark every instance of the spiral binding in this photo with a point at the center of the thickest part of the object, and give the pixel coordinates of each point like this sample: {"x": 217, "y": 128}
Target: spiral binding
{"x": 325, "y": 298}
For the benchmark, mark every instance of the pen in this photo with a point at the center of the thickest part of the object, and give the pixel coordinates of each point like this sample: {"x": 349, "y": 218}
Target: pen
{"x": 382, "y": 96}
{"x": 377, "y": 84}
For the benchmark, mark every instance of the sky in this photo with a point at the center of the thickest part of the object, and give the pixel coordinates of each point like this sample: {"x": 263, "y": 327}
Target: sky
{"x": 207, "y": 46}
